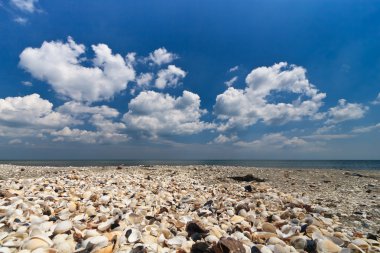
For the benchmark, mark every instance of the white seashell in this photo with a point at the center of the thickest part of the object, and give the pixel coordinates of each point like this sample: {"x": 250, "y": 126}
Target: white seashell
{"x": 105, "y": 199}
{"x": 211, "y": 239}
{"x": 176, "y": 241}
{"x": 63, "y": 227}
{"x": 98, "y": 241}
{"x": 36, "y": 242}
{"x": 5, "y": 250}
{"x": 105, "y": 225}
{"x": 236, "y": 219}
{"x": 91, "y": 233}
{"x": 134, "y": 236}
{"x": 3, "y": 235}
{"x": 327, "y": 246}
{"x": 185, "y": 219}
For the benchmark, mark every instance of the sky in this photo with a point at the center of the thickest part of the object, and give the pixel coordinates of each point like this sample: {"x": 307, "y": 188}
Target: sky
{"x": 196, "y": 79}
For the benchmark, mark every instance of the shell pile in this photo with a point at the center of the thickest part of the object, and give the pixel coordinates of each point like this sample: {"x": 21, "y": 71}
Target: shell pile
{"x": 164, "y": 211}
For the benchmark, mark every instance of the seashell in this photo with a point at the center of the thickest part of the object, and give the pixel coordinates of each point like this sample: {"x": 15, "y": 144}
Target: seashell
{"x": 229, "y": 245}
{"x": 133, "y": 235}
{"x": 176, "y": 241}
{"x": 268, "y": 227}
{"x": 354, "y": 248}
{"x": 281, "y": 249}
{"x": 105, "y": 199}
{"x": 91, "y": 211}
{"x": 327, "y": 246}
{"x": 361, "y": 243}
{"x": 36, "y": 242}
{"x": 298, "y": 242}
{"x": 107, "y": 249}
{"x": 134, "y": 218}
{"x": 275, "y": 240}
{"x": 72, "y": 207}
{"x": 236, "y": 219}
{"x": 3, "y": 235}
{"x": 63, "y": 227}
{"x": 49, "y": 250}
{"x": 5, "y": 250}
{"x": 105, "y": 225}
{"x": 211, "y": 239}
{"x": 96, "y": 241}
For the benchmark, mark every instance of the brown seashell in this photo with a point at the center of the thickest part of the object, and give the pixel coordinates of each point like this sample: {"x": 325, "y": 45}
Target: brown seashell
{"x": 108, "y": 249}
{"x": 229, "y": 245}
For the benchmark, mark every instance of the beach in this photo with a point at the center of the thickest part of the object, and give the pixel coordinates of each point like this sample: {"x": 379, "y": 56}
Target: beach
{"x": 188, "y": 209}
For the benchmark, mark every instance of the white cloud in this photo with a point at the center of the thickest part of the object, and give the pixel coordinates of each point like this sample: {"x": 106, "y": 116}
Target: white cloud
{"x": 233, "y": 69}
{"x": 77, "y": 109}
{"x": 325, "y": 129}
{"x": 366, "y": 129}
{"x": 230, "y": 82}
{"x": 345, "y": 111}
{"x": 25, "y": 5}
{"x": 15, "y": 141}
{"x": 377, "y": 100}
{"x": 242, "y": 108}
{"x": 273, "y": 140}
{"x": 162, "y": 56}
{"x": 60, "y": 64}
{"x": 31, "y": 111}
{"x": 144, "y": 79}
{"x": 221, "y": 139}
{"x": 85, "y": 136}
{"x": 153, "y": 114}
{"x": 21, "y": 20}
{"x": 27, "y": 83}
{"x": 169, "y": 77}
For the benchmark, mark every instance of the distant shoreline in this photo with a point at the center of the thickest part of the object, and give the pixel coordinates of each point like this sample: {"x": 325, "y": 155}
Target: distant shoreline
{"x": 282, "y": 164}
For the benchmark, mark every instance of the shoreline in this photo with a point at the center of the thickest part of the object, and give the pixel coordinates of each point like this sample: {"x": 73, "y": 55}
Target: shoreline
{"x": 349, "y": 199}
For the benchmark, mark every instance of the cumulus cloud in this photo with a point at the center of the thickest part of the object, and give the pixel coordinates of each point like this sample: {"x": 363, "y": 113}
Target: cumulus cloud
{"x": 273, "y": 140}
{"x": 15, "y": 141}
{"x": 169, "y": 77}
{"x": 221, "y": 139}
{"x": 366, "y": 129}
{"x": 25, "y": 5}
{"x": 77, "y": 109}
{"x": 62, "y": 66}
{"x": 243, "y": 108}
{"x": 230, "y": 82}
{"x": 86, "y": 136}
{"x": 377, "y": 100}
{"x": 345, "y": 111}
{"x": 161, "y": 56}
{"x": 31, "y": 110}
{"x": 144, "y": 79}
{"x": 153, "y": 114}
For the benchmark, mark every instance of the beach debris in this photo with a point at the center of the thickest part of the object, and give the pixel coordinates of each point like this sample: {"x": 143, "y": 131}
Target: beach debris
{"x": 124, "y": 211}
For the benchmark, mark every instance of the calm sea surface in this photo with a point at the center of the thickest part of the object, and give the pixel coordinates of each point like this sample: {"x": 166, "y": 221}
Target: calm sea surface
{"x": 320, "y": 164}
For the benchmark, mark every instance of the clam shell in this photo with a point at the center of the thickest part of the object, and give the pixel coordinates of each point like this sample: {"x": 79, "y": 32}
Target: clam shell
{"x": 63, "y": 227}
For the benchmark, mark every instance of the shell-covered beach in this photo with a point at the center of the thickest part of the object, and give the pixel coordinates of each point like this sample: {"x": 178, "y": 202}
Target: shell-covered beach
{"x": 188, "y": 209}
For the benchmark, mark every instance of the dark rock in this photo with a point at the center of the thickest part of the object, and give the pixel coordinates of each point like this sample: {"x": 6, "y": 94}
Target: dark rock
{"x": 196, "y": 237}
{"x": 119, "y": 168}
{"x": 248, "y": 188}
{"x": 139, "y": 249}
{"x": 193, "y": 227}
{"x": 229, "y": 245}
{"x": 310, "y": 246}
{"x": 248, "y": 178}
{"x": 208, "y": 203}
{"x": 254, "y": 249}
{"x": 163, "y": 210}
{"x": 371, "y": 236}
{"x": 200, "y": 247}
{"x": 241, "y": 206}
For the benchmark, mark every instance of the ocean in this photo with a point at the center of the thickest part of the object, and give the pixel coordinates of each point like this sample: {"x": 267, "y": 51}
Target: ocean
{"x": 295, "y": 164}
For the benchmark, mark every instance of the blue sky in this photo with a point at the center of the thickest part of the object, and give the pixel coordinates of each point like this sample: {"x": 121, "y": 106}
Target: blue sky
{"x": 189, "y": 79}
